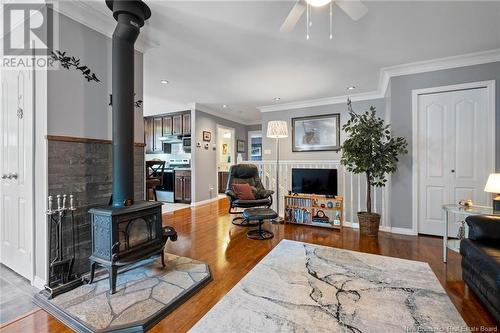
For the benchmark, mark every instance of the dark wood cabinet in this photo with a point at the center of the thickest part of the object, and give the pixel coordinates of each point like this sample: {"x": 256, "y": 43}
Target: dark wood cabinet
{"x": 159, "y": 126}
{"x": 187, "y": 188}
{"x": 182, "y": 191}
{"x": 149, "y": 134}
{"x": 167, "y": 126}
{"x": 177, "y": 125}
{"x": 178, "y": 193}
{"x": 223, "y": 178}
{"x": 157, "y": 134}
{"x": 186, "y": 124}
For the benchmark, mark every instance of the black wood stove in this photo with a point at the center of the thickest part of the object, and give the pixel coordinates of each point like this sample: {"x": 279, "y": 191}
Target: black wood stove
{"x": 125, "y": 231}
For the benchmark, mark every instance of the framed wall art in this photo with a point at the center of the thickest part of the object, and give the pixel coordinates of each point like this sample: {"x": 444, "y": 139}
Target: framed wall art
{"x": 316, "y": 133}
{"x": 240, "y": 146}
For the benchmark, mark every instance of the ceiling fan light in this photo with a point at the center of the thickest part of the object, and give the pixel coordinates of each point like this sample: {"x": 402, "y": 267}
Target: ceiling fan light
{"x": 318, "y": 3}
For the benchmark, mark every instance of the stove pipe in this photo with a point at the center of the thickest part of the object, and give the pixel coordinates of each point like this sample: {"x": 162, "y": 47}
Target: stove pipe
{"x": 130, "y": 15}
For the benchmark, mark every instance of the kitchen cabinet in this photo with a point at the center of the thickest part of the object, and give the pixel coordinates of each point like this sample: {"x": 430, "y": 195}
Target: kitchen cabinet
{"x": 148, "y": 134}
{"x": 177, "y": 125}
{"x": 157, "y": 127}
{"x": 182, "y": 189}
{"x": 186, "y": 124}
{"x": 167, "y": 126}
{"x": 223, "y": 178}
{"x": 157, "y": 134}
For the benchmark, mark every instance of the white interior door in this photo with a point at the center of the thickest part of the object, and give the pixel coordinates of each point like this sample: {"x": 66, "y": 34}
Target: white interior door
{"x": 454, "y": 154}
{"x": 16, "y": 189}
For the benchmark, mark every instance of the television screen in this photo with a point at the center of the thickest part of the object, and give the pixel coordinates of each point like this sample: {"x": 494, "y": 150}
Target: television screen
{"x": 314, "y": 181}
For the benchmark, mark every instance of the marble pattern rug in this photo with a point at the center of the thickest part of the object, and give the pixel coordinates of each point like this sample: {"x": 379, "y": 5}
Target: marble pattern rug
{"x": 141, "y": 293}
{"x": 301, "y": 287}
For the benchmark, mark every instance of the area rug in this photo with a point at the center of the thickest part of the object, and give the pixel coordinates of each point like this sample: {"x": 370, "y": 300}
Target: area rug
{"x": 300, "y": 287}
{"x": 145, "y": 294}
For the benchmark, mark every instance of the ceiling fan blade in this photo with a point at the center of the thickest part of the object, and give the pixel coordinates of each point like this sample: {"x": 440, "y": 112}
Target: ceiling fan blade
{"x": 294, "y": 16}
{"x": 355, "y": 9}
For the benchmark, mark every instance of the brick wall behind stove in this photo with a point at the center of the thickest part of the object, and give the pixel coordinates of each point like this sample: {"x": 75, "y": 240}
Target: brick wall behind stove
{"x": 84, "y": 170}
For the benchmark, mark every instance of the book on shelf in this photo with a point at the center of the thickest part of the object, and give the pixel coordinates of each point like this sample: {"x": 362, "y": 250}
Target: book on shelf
{"x": 314, "y": 210}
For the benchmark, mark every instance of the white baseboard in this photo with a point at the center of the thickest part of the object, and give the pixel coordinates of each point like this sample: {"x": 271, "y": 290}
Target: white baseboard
{"x": 403, "y": 231}
{"x": 385, "y": 228}
{"x": 351, "y": 225}
{"x": 204, "y": 202}
{"x": 39, "y": 283}
{"x": 394, "y": 230}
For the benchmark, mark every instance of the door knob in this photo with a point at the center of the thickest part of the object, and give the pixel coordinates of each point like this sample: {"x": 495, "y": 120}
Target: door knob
{"x": 4, "y": 176}
{"x": 12, "y": 176}
{"x": 452, "y": 171}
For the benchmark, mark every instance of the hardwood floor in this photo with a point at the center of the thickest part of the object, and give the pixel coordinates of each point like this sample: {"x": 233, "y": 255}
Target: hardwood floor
{"x": 206, "y": 233}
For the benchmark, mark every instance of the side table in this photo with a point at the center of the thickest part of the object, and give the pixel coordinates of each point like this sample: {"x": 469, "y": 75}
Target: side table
{"x": 454, "y": 244}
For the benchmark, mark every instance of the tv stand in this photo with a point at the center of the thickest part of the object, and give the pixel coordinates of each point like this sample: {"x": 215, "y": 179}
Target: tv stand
{"x": 315, "y": 210}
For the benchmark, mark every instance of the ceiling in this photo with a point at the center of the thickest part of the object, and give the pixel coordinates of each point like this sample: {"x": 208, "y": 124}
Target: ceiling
{"x": 232, "y": 52}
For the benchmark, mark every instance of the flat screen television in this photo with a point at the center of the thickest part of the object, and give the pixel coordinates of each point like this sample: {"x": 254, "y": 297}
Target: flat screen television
{"x": 314, "y": 181}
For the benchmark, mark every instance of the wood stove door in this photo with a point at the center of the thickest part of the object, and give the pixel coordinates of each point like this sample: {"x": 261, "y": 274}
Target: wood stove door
{"x": 16, "y": 170}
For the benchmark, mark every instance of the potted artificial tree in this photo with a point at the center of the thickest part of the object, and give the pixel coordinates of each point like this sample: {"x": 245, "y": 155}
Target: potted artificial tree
{"x": 370, "y": 149}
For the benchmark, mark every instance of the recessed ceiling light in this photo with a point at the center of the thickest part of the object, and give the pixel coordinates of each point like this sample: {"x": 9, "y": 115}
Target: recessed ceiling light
{"x": 225, "y": 106}
{"x": 276, "y": 98}
{"x": 351, "y": 88}
{"x": 164, "y": 82}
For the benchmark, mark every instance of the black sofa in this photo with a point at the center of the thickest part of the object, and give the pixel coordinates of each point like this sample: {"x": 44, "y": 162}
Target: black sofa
{"x": 481, "y": 260}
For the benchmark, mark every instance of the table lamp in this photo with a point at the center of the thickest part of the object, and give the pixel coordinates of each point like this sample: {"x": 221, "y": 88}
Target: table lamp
{"x": 277, "y": 129}
{"x": 493, "y": 186}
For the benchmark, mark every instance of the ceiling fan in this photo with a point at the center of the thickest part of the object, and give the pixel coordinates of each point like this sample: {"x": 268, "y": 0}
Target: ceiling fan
{"x": 355, "y": 9}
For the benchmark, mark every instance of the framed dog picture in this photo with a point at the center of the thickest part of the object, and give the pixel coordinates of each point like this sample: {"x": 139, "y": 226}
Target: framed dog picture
{"x": 316, "y": 133}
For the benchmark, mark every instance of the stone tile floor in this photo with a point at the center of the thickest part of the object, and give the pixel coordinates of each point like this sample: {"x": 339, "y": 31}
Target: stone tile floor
{"x": 144, "y": 291}
{"x": 16, "y": 295}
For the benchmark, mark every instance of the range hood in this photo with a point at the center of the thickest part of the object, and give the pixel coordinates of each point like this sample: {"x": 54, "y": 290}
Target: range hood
{"x": 171, "y": 139}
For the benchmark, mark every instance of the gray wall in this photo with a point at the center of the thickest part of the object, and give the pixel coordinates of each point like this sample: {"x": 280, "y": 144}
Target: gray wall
{"x": 256, "y": 127}
{"x": 205, "y": 161}
{"x": 286, "y": 152}
{"x": 79, "y": 108}
{"x": 401, "y": 120}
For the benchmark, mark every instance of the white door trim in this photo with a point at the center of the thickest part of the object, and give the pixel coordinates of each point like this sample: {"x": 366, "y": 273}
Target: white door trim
{"x": 218, "y": 128}
{"x": 490, "y": 91}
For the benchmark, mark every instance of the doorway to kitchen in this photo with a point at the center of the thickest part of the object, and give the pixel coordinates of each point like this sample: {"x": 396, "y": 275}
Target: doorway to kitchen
{"x": 226, "y": 155}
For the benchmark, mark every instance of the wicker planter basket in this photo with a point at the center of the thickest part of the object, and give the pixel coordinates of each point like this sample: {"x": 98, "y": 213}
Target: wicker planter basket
{"x": 368, "y": 223}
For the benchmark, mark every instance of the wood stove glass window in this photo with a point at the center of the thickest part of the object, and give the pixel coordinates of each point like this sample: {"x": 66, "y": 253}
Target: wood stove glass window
{"x": 136, "y": 233}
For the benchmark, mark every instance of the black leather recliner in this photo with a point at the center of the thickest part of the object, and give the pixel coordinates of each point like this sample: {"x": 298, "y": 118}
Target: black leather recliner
{"x": 481, "y": 260}
{"x": 246, "y": 174}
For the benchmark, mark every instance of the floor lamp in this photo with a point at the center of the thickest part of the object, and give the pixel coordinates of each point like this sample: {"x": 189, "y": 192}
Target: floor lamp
{"x": 277, "y": 129}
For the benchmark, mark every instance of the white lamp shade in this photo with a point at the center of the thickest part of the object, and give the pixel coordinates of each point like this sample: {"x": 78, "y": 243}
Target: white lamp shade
{"x": 277, "y": 129}
{"x": 493, "y": 183}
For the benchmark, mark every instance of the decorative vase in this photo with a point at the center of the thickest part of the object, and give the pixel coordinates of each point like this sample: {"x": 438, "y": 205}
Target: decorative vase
{"x": 369, "y": 223}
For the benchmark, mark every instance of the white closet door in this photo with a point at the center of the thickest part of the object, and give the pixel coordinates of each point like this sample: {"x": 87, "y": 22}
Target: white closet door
{"x": 16, "y": 169}
{"x": 453, "y": 148}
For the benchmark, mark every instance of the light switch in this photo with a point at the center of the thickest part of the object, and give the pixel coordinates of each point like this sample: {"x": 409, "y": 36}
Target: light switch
{"x": 267, "y": 151}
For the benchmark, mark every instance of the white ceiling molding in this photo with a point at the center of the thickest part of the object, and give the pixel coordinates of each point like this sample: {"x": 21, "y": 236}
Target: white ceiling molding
{"x": 99, "y": 21}
{"x": 387, "y": 73}
{"x": 321, "y": 101}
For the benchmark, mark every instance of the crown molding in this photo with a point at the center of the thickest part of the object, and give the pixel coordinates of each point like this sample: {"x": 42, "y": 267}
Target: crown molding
{"x": 321, "y": 101}
{"x": 386, "y": 73}
{"x": 99, "y": 21}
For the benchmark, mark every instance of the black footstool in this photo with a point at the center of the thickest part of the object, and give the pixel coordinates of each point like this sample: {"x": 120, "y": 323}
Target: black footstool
{"x": 259, "y": 214}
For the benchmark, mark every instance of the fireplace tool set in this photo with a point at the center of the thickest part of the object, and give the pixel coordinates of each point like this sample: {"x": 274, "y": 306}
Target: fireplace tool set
{"x": 61, "y": 277}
